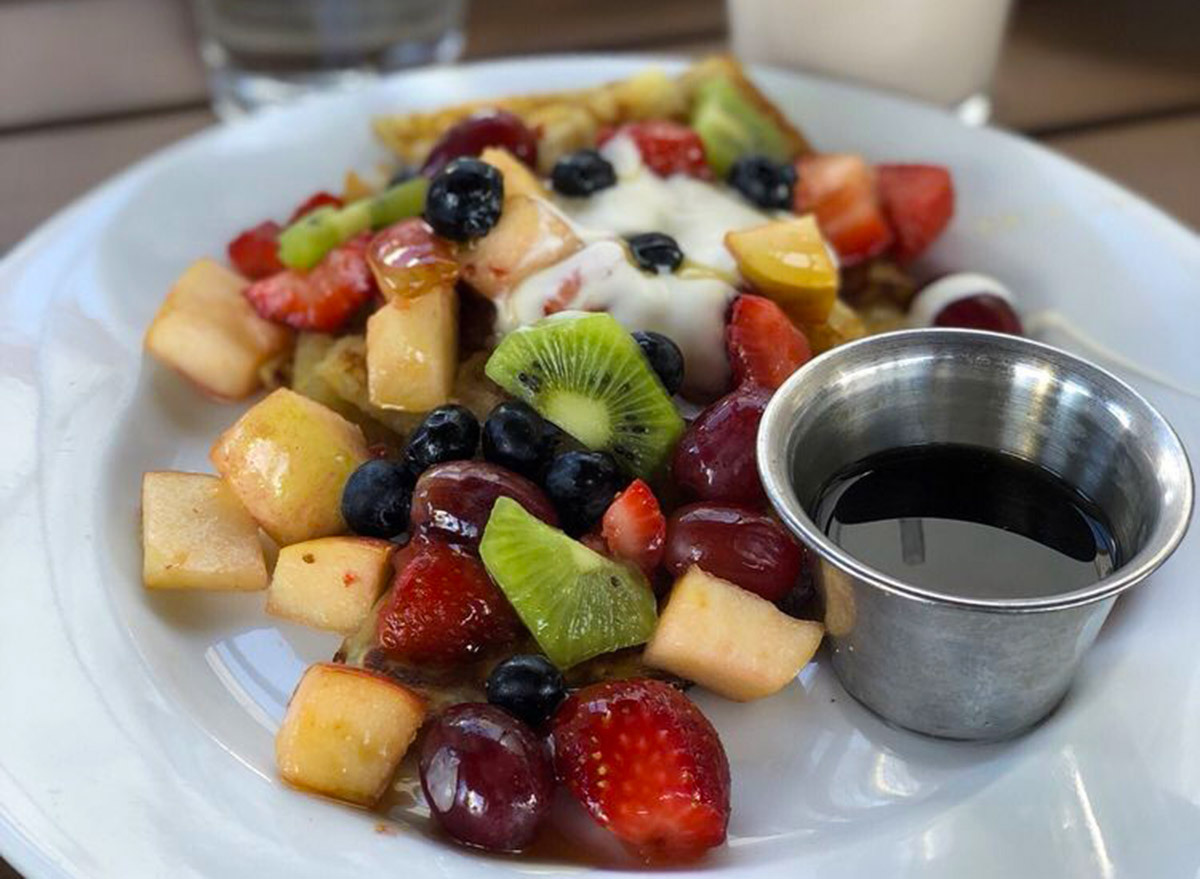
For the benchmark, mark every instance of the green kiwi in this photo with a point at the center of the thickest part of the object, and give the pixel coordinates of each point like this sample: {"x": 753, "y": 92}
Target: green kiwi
{"x": 575, "y": 602}
{"x": 731, "y": 126}
{"x": 585, "y": 373}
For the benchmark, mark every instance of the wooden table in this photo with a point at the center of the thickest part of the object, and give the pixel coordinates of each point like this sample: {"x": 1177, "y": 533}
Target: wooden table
{"x": 88, "y": 86}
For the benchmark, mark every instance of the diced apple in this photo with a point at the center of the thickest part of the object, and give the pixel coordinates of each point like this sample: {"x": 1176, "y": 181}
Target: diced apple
{"x": 789, "y": 261}
{"x": 519, "y": 178}
{"x": 196, "y": 535}
{"x": 531, "y": 235}
{"x": 330, "y": 583}
{"x": 345, "y": 732}
{"x": 287, "y": 459}
{"x": 729, "y": 640}
{"x": 412, "y": 351}
{"x": 843, "y": 325}
{"x": 206, "y": 330}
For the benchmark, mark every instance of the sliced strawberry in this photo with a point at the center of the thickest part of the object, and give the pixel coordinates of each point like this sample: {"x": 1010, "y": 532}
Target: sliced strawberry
{"x": 443, "y": 608}
{"x": 255, "y": 252}
{"x": 634, "y": 527}
{"x": 647, "y": 765}
{"x": 314, "y": 201}
{"x": 764, "y": 346}
{"x": 667, "y": 147}
{"x": 322, "y": 299}
{"x": 840, "y": 190}
{"x": 918, "y": 201}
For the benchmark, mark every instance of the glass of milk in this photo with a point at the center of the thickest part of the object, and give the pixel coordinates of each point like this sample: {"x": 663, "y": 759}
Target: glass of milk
{"x": 943, "y": 51}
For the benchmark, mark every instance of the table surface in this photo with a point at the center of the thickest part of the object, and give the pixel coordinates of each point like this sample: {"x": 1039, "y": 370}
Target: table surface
{"x": 1112, "y": 83}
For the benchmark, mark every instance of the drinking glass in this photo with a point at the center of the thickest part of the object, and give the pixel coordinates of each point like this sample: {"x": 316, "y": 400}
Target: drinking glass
{"x": 261, "y": 52}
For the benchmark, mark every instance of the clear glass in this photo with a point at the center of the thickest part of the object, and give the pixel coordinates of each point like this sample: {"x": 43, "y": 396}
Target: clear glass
{"x": 943, "y": 51}
{"x": 262, "y": 52}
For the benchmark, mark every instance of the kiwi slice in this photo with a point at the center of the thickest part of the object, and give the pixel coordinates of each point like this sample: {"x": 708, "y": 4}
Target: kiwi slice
{"x": 585, "y": 373}
{"x": 575, "y": 602}
{"x": 731, "y": 126}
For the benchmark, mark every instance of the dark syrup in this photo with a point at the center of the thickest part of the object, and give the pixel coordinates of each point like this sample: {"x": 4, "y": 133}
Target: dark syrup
{"x": 968, "y": 522}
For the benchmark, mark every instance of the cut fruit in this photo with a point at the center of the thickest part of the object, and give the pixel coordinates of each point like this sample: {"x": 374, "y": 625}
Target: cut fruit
{"x": 330, "y": 583}
{"x": 196, "y": 535}
{"x": 519, "y": 178}
{"x": 530, "y": 236}
{"x": 412, "y": 351}
{"x": 586, "y": 374}
{"x": 287, "y": 460}
{"x": 408, "y": 260}
{"x": 345, "y": 732}
{"x": 918, "y": 201}
{"x": 840, "y": 190}
{"x": 729, "y": 640}
{"x": 343, "y": 369}
{"x": 788, "y": 261}
{"x": 731, "y": 126}
{"x": 764, "y": 345}
{"x": 207, "y": 331}
{"x": 577, "y": 603}
{"x": 841, "y": 326}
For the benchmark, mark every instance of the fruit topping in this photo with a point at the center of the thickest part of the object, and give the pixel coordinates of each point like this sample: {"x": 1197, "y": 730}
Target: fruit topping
{"x": 465, "y": 200}
{"x": 487, "y": 128}
{"x": 840, "y": 191}
{"x": 716, "y": 460}
{"x": 322, "y": 299}
{"x": 587, "y": 375}
{"x": 666, "y": 147}
{"x": 576, "y": 603}
{"x": 530, "y": 236}
{"x": 376, "y": 499}
{"x": 448, "y": 433}
{"x": 582, "y": 173}
{"x": 519, "y": 178}
{"x": 412, "y": 352}
{"x": 655, "y": 252}
{"x": 516, "y": 437}
{"x": 443, "y": 608}
{"x": 731, "y": 126}
{"x": 408, "y": 260}
{"x": 634, "y": 527}
{"x": 738, "y": 544}
{"x": 330, "y": 583}
{"x": 982, "y": 312}
{"x": 764, "y": 182}
{"x": 918, "y": 201}
{"x": 764, "y": 345}
{"x": 581, "y": 486}
{"x": 320, "y": 199}
{"x": 788, "y": 261}
{"x": 646, "y": 765}
{"x": 255, "y": 252}
{"x": 967, "y": 300}
{"x": 452, "y": 501}
{"x": 527, "y": 686}
{"x": 664, "y": 358}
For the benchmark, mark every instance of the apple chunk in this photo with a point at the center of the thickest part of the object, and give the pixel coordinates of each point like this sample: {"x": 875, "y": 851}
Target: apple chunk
{"x": 206, "y": 330}
{"x": 330, "y": 583}
{"x": 345, "y": 732}
{"x": 412, "y": 351}
{"x": 196, "y": 535}
{"x": 729, "y": 640}
{"x": 530, "y": 236}
{"x": 287, "y": 459}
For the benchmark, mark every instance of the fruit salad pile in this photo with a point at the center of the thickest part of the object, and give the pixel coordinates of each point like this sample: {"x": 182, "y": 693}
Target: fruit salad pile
{"x": 508, "y": 452}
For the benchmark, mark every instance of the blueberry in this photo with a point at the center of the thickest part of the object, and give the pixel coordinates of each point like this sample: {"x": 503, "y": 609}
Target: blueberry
{"x": 655, "y": 252}
{"x": 582, "y": 173}
{"x": 376, "y": 499}
{"x": 665, "y": 359}
{"x": 527, "y": 686}
{"x": 581, "y": 485}
{"x": 464, "y": 200}
{"x": 448, "y": 433}
{"x": 516, "y": 437}
{"x": 766, "y": 183}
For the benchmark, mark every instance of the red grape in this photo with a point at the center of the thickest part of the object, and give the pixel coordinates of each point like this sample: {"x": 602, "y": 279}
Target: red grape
{"x": 478, "y": 132}
{"x": 983, "y": 311}
{"x": 487, "y": 778}
{"x": 715, "y": 460}
{"x": 408, "y": 260}
{"x": 737, "y": 544}
{"x": 453, "y": 501}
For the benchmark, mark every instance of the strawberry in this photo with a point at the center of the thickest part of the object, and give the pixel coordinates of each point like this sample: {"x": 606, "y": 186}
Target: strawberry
{"x": 918, "y": 201}
{"x": 443, "y": 608}
{"x": 840, "y": 190}
{"x": 764, "y": 346}
{"x": 255, "y": 252}
{"x": 647, "y": 765}
{"x": 667, "y": 147}
{"x": 314, "y": 201}
{"x": 634, "y": 528}
{"x": 322, "y": 299}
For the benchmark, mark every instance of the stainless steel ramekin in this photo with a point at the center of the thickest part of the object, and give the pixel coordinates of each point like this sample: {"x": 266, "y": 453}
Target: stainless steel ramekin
{"x": 947, "y": 665}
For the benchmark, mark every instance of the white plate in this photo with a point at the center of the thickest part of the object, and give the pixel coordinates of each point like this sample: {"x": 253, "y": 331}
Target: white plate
{"x": 136, "y": 732}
